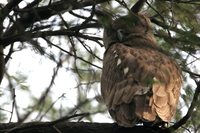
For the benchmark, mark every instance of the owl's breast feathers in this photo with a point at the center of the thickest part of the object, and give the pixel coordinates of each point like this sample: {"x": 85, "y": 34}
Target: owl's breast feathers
{"x": 139, "y": 83}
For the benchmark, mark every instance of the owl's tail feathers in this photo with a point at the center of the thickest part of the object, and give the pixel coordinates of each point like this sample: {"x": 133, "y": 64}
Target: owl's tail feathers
{"x": 137, "y": 111}
{"x": 143, "y": 108}
{"x": 124, "y": 115}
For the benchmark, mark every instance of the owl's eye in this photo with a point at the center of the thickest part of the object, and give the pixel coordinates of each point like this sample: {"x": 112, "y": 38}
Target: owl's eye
{"x": 122, "y": 34}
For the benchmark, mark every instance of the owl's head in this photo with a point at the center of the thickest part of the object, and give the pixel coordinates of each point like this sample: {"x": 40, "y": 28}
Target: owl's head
{"x": 125, "y": 28}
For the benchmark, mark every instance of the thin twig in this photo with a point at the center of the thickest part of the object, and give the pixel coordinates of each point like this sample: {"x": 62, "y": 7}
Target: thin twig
{"x": 10, "y": 84}
{"x": 88, "y": 49}
{"x": 80, "y": 58}
{"x": 13, "y": 103}
{"x": 66, "y": 118}
{"x": 160, "y": 17}
{"x": 41, "y": 102}
{"x": 51, "y": 106}
{"x": 191, "y": 73}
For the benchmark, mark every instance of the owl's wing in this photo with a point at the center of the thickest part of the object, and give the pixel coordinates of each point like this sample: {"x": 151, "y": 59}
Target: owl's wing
{"x": 139, "y": 84}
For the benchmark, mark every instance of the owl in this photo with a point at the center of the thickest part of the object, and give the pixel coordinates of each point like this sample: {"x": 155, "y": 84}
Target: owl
{"x": 140, "y": 83}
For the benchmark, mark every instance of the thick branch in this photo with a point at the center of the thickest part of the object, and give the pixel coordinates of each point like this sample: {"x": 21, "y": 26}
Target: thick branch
{"x": 27, "y": 36}
{"x": 7, "y": 9}
{"x": 195, "y": 2}
{"x": 75, "y": 127}
{"x": 29, "y": 16}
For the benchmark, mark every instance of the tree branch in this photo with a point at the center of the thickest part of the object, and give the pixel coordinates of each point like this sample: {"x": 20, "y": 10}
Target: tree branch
{"x": 28, "y": 35}
{"x": 76, "y": 127}
{"x": 31, "y": 15}
{"x": 7, "y": 9}
{"x": 70, "y": 54}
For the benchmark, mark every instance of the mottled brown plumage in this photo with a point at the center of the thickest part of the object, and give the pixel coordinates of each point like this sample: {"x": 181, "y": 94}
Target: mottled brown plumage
{"x": 139, "y": 81}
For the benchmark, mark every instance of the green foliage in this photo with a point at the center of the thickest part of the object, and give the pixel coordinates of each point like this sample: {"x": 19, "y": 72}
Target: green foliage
{"x": 3, "y": 116}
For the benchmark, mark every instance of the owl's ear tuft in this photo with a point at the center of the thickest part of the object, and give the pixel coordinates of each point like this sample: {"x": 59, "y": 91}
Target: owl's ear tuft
{"x": 138, "y": 6}
{"x": 104, "y": 17}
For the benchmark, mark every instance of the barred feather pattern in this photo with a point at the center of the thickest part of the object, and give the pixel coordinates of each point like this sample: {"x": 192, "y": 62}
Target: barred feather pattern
{"x": 139, "y": 83}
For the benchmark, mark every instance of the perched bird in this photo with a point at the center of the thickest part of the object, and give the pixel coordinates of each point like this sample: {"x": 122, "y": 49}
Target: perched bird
{"x": 139, "y": 82}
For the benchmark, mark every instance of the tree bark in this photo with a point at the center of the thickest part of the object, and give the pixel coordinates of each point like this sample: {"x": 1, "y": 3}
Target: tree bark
{"x": 74, "y": 127}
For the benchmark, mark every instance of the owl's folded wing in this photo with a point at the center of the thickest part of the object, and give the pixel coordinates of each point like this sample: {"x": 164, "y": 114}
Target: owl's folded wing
{"x": 139, "y": 83}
